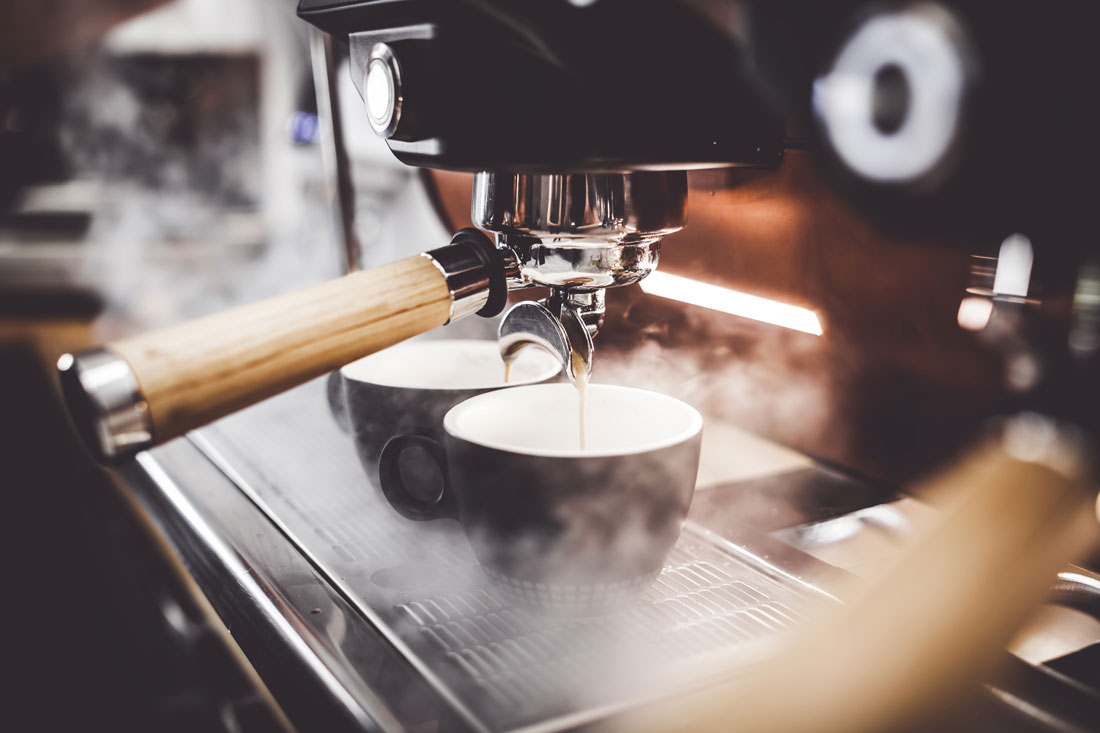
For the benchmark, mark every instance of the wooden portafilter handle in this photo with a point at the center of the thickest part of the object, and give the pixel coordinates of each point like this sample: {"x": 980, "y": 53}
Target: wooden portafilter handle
{"x": 139, "y": 392}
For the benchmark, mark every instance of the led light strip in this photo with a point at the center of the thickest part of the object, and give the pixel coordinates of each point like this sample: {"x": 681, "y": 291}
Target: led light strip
{"x": 730, "y": 301}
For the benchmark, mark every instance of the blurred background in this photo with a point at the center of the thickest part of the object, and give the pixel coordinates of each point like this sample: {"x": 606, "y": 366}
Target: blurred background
{"x": 158, "y": 160}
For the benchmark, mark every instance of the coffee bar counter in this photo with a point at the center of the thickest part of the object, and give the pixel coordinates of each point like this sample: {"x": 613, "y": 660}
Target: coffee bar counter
{"x": 354, "y": 618}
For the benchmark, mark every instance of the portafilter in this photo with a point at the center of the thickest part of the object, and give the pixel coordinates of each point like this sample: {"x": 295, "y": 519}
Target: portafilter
{"x": 577, "y": 233}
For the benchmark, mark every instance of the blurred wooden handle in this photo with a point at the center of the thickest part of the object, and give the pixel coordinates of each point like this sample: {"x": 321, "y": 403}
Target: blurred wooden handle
{"x": 193, "y": 373}
{"x": 908, "y": 644}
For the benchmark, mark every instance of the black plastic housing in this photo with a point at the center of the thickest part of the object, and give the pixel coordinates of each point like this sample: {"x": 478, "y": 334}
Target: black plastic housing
{"x": 545, "y": 85}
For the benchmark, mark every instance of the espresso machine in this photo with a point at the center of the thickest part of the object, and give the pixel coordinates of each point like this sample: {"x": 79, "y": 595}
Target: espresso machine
{"x": 579, "y": 121}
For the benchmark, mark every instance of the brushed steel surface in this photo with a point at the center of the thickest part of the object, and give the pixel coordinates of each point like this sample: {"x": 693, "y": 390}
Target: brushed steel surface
{"x": 497, "y": 667}
{"x": 308, "y": 644}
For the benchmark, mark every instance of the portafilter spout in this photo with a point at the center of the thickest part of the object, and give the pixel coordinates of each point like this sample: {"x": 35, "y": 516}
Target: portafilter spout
{"x": 577, "y": 233}
{"x": 563, "y": 334}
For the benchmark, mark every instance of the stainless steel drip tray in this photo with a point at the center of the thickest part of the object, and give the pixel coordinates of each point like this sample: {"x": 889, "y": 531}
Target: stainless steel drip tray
{"x": 499, "y": 667}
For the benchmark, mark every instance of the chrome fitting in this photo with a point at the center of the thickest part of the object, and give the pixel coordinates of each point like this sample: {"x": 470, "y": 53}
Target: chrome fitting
{"x": 106, "y": 403}
{"x": 475, "y": 271}
{"x": 563, "y": 334}
{"x": 467, "y": 281}
{"x": 590, "y": 305}
{"x": 581, "y": 231}
{"x": 382, "y": 92}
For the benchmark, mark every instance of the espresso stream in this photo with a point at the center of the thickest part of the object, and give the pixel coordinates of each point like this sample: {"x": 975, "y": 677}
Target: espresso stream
{"x": 581, "y": 383}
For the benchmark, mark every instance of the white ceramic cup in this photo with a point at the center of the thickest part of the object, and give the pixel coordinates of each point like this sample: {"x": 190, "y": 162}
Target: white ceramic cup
{"x": 553, "y": 523}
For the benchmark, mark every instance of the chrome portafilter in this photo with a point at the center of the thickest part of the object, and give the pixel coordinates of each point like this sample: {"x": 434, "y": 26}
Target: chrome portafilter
{"x": 577, "y": 234}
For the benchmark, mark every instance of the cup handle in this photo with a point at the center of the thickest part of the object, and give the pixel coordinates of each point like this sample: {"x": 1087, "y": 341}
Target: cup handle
{"x": 393, "y": 486}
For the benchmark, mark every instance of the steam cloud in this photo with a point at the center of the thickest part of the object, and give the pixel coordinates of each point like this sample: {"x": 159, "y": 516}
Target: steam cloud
{"x": 174, "y": 151}
{"x": 761, "y": 378}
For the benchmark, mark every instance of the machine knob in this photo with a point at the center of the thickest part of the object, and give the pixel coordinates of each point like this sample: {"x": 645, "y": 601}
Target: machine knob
{"x": 891, "y": 105}
{"x": 382, "y": 92}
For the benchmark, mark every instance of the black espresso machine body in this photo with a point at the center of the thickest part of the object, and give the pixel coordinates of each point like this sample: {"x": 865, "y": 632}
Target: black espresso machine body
{"x": 981, "y": 125}
{"x": 555, "y": 87}
{"x": 952, "y": 124}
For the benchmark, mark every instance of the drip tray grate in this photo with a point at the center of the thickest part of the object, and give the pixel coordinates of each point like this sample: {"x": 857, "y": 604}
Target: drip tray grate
{"x": 693, "y": 609}
{"x": 499, "y": 665}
